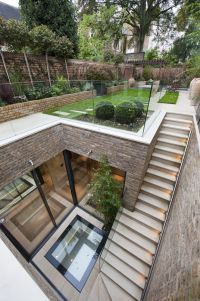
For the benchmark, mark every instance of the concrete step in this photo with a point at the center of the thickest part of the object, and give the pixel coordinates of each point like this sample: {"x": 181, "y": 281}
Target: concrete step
{"x": 153, "y": 213}
{"x": 172, "y": 142}
{"x": 179, "y": 116}
{"x": 164, "y": 166}
{"x": 163, "y": 175}
{"x": 142, "y": 215}
{"x": 173, "y": 134}
{"x": 155, "y": 192}
{"x": 154, "y": 202}
{"x": 125, "y": 269}
{"x": 158, "y": 183}
{"x": 114, "y": 290}
{"x": 127, "y": 285}
{"x": 168, "y": 149}
{"x": 129, "y": 259}
{"x": 136, "y": 238}
{"x": 143, "y": 230}
{"x": 132, "y": 248}
{"x": 176, "y": 128}
{"x": 168, "y": 158}
{"x": 98, "y": 292}
{"x": 173, "y": 119}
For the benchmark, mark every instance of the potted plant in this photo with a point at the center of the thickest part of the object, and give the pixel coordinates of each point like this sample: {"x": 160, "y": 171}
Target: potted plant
{"x": 105, "y": 193}
{"x": 99, "y": 75}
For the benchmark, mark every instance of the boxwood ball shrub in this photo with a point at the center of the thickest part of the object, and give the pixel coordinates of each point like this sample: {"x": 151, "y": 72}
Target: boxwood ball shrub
{"x": 139, "y": 108}
{"x": 104, "y": 110}
{"x": 125, "y": 113}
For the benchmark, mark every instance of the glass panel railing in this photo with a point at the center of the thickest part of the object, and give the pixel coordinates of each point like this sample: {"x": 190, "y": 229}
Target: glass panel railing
{"x": 114, "y": 104}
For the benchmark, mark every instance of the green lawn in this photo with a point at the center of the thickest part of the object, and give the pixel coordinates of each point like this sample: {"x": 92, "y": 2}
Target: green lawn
{"x": 88, "y": 105}
{"x": 169, "y": 97}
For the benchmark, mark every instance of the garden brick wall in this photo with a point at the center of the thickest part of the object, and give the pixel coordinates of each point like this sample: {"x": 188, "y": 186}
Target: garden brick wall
{"x": 177, "y": 273}
{"x": 129, "y": 156}
{"x": 26, "y": 108}
{"x": 76, "y": 68}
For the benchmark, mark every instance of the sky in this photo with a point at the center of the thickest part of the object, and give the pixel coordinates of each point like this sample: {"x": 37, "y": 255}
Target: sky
{"x": 11, "y": 2}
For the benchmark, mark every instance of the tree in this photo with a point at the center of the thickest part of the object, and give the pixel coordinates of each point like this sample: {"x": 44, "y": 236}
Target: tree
{"x": 62, "y": 47}
{"x": 42, "y": 40}
{"x": 105, "y": 193}
{"x": 17, "y": 37}
{"x": 98, "y": 31}
{"x": 142, "y": 15}
{"x": 188, "y": 21}
{"x": 58, "y": 15}
{"x": 3, "y": 30}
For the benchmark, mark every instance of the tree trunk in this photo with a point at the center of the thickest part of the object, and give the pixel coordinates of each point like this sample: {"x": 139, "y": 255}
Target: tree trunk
{"x": 28, "y": 67}
{"x": 48, "y": 71}
{"x": 67, "y": 72}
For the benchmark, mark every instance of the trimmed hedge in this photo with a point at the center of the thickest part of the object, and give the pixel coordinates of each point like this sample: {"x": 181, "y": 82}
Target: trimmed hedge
{"x": 125, "y": 113}
{"x": 139, "y": 108}
{"x": 104, "y": 110}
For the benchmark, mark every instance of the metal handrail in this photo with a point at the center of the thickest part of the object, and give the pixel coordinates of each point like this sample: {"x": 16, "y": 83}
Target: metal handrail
{"x": 149, "y": 278}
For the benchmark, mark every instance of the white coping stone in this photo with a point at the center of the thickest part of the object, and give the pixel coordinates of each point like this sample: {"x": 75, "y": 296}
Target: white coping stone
{"x": 61, "y": 113}
{"x": 15, "y": 282}
{"x": 48, "y": 121}
{"x": 82, "y": 112}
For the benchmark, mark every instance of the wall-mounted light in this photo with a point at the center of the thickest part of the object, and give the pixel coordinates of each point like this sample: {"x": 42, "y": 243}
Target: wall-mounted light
{"x": 31, "y": 162}
{"x": 89, "y": 153}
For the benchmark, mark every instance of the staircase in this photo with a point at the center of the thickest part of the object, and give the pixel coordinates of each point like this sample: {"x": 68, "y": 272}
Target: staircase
{"x": 130, "y": 248}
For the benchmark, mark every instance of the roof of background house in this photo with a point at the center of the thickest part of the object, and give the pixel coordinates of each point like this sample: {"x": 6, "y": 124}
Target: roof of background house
{"x": 8, "y": 11}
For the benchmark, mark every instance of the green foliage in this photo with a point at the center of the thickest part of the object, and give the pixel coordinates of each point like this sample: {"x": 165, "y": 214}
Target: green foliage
{"x": 105, "y": 193}
{"x": 3, "y": 31}
{"x": 152, "y": 54}
{"x": 17, "y": 85}
{"x": 62, "y": 47}
{"x": 147, "y": 72}
{"x": 111, "y": 57}
{"x": 42, "y": 39}
{"x": 125, "y": 113}
{"x": 2, "y": 103}
{"x": 193, "y": 66}
{"x": 98, "y": 31}
{"x": 58, "y": 15}
{"x": 60, "y": 87}
{"x": 99, "y": 73}
{"x": 104, "y": 110}
{"x": 141, "y": 15}
{"x": 17, "y": 37}
{"x": 139, "y": 107}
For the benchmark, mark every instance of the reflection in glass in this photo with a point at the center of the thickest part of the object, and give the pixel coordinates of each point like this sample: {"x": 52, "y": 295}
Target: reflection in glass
{"x": 25, "y": 214}
{"x": 55, "y": 185}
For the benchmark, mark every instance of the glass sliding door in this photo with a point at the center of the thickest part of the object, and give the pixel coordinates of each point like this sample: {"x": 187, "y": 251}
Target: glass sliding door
{"x": 83, "y": 170}
{"x": 25, "y": 215}
{"x": 55, "y": 185}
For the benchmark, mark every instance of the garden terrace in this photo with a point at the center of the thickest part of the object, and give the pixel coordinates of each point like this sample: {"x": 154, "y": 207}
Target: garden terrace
{"x": 126, "y": 109}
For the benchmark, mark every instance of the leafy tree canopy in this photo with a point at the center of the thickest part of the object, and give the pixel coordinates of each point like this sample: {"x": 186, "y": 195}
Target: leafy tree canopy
{"x": 58, "y": 15}
{"x": 98, "y": 31}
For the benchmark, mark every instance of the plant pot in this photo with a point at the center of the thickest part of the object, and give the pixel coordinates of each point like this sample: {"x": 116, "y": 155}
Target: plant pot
{"x": 100, "y": 88}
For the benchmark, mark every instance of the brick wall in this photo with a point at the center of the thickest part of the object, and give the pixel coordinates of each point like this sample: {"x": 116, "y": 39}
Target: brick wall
{"x": 76, "y": 68}
{"x": 26, "y": 108}
{"x": 129, "y": 156}
{"x": 117, "y": 88}
{"x": 177, "y": 273}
